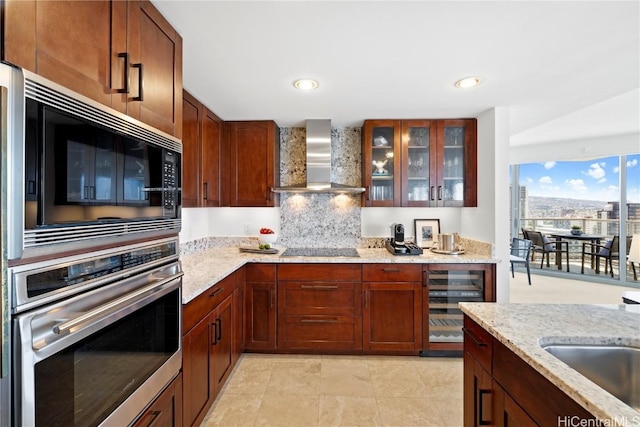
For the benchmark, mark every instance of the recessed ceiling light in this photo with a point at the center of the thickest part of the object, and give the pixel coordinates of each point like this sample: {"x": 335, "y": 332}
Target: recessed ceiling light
{"x": 305, "y": 84}
{"x": 468, "y": 82}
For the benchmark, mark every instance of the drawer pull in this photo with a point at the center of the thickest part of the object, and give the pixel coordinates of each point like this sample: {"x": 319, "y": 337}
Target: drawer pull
{"x": 216, "y": 292}
{"x": 332, "y": 320}
{"x": 391, "y": 270}
{"x": 318, "y": 286}
{"x": 477, "y": 341}
{"x": 154, "y": 417}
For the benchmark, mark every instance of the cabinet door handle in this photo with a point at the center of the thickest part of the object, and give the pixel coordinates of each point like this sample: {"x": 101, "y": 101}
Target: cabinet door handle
{"x": 218, "y": 330}
{"x": 481, "y": 395}
{"x": 431, "y": 196}
{"x": 140, "y": 96}
{"x": 327, "y": 320}
{"x": 368, "y": 192}
{"x": 206, "y": 191}
{"x": 477, "y": 341}
{"x": 439, "y": 192}
{"x": 125, "y": 74}
{"x": 318, "y": 286}
{"x": 214, "y": 332}
{"x": 216, "y": 292}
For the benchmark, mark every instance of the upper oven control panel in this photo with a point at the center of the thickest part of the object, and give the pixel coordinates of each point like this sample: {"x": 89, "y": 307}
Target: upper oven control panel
{"x": 37, "y": 284}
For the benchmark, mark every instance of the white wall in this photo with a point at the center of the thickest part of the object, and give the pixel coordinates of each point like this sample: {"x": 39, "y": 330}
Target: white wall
{"x": 375, "y": 221}
{"x": 198, "y": 223}
{"x": 489, "y": 222}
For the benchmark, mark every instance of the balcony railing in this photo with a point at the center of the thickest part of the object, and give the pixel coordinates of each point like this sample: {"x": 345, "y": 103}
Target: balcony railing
{"x": 602, "y": 227}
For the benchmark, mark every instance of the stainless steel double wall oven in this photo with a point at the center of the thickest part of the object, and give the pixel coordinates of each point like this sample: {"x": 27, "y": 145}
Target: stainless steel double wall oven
{"x": 93, "y": 280}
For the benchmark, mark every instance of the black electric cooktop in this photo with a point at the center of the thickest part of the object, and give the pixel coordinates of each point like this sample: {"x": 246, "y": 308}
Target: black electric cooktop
{"x": 321, "y": 252}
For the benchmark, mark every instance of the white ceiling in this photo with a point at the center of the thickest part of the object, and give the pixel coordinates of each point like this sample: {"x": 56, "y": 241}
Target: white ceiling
{"x": 565, "y": 69}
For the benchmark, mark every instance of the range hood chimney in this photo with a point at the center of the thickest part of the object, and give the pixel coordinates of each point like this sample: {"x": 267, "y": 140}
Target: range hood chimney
{"x": 318, "y": 143}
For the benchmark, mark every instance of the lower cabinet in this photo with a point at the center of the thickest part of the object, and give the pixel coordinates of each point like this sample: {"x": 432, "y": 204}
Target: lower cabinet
{"x": 319, "y": 307}
{"x": 221, "y": 321}
{"x": 166, "y": 410}
{"x": 501, "y": 389}
{"x": 392, "y": 308}
{"x": 207, "y": 349}
{"x": 238, "y": 327}
{"x": 260, "y": 307}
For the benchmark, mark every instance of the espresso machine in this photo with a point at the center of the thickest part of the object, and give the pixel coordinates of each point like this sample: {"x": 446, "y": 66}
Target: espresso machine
{"x": 397, "y": 245}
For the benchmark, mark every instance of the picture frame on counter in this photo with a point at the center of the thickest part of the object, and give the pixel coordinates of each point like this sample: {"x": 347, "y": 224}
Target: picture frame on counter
{"x": 426, "y": 232}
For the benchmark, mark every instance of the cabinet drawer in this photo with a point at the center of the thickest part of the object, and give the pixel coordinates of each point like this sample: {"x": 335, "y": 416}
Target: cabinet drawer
{"x": 199, "y": 307}
{"x": 320, "y": 298}
{"x": 392, "y": 272}
{"x": 478, "y": 343}
{"x": 320, "y": 332}
{"x": 261, "y": 273}
{"x": 320, "y": 272}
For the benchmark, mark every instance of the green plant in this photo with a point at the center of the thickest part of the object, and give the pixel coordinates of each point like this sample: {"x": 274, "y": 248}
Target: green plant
{"x": 576, "y": 227}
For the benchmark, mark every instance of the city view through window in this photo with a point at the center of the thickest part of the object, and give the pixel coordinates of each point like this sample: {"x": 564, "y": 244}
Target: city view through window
{"x": 558, "y": 195}
{"x": 555, "y": 196}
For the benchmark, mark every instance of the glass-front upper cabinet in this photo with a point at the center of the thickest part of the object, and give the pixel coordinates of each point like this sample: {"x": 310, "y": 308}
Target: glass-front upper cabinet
{"x": 457, "y": 175}
{"x": 420, "y": 163}
{"x": 381, "y": 162}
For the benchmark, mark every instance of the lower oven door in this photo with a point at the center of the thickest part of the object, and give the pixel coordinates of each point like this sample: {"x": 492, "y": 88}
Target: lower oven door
{"x": 100, "y": 357}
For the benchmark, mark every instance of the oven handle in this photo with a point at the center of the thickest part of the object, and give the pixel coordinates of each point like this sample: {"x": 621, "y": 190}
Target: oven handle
{"x": 67, "y": 326}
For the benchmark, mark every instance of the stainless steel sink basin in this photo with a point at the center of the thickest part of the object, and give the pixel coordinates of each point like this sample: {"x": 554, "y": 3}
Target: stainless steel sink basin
{"x": 614, "y": 368}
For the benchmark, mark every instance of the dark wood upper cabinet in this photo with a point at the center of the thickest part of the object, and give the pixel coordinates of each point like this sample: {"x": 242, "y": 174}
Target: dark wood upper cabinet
{"x": 420, "y": 163}
{"x": 201, "y": 143}
{"x": 155, "y": 74}
{"x": 253, "y": 167}
{"x": 191, "y": 120}
{"x": 122, "y": 54}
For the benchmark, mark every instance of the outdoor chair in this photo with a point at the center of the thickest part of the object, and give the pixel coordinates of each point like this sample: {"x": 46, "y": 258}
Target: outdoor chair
{"x": 542, "y": 244}
{"x": 608, "y": 251}
{"x": 520, "y": 250}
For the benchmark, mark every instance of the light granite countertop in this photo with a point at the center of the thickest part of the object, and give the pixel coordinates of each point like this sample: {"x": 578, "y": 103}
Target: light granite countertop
{"x": 203, "y": 268}
{"x": 523, "y": 327}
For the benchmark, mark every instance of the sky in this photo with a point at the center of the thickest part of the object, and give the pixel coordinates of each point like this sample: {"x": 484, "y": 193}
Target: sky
{"x": 597, "y": 179}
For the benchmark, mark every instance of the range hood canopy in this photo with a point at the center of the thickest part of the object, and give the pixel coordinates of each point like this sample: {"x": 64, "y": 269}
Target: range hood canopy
{"x": 318, "y": 143}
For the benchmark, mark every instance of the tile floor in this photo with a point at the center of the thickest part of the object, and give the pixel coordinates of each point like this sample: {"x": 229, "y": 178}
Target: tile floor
{"x": 301, "y": 391}
{"x": 304, "y": 391}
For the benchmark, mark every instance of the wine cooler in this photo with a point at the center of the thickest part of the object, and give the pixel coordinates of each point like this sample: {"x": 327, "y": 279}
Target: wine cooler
{"x": 444, "y": 288}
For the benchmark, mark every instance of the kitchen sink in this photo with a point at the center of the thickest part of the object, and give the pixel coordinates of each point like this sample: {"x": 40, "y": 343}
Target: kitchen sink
{"x": 615, "y": 368}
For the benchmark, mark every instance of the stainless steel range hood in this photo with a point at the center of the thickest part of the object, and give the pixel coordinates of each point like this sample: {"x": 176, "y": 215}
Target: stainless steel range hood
{"x": 318, "y": 144}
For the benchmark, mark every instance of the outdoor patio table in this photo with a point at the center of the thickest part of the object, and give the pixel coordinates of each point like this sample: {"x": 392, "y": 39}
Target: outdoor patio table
{"x": 593, "y": 238}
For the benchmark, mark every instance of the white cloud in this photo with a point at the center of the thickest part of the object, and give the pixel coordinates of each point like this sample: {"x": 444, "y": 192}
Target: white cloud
{"x": 602, "y": 180}
{"x": 549, "y": 165}
{"x": 545, "y": 180}
{"x": 632, "y": 163}
{"x": 576, "y": 185}
{"x": 596, "y": 171}
{"x": 616, "y": 169}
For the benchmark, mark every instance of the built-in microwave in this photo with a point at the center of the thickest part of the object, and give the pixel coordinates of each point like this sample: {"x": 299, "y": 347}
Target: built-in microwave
{"x": 82, "y": 174}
